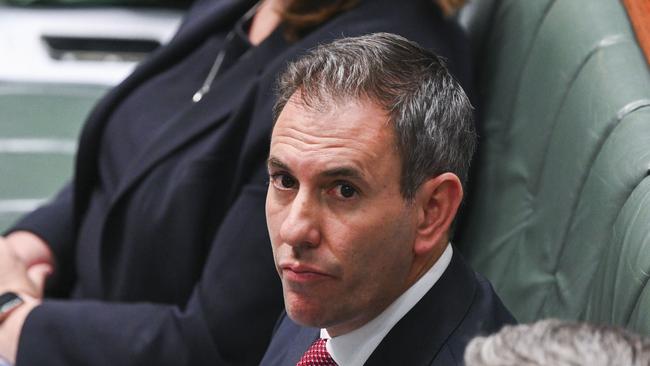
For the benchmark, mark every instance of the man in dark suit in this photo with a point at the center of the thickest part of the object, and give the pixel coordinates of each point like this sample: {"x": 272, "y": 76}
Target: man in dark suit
{"x": 366, "y": 164}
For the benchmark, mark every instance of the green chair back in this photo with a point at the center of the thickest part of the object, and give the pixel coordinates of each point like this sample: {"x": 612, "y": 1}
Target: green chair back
{"x": 558, "y": 215}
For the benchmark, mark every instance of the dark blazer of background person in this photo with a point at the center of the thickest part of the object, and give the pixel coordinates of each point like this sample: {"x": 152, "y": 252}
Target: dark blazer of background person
{"x": 182, "y": 272}
{"x": 434, "y": 332}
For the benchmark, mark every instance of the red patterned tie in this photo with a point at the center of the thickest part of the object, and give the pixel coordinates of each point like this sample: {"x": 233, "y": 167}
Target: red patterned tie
{"x": 317, "y": 355}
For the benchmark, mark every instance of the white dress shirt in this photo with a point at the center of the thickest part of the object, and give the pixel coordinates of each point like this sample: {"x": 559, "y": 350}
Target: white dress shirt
{"x": 354, "y": 348}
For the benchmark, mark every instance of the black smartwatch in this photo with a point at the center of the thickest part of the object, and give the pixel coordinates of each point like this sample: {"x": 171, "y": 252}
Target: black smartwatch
{"x": 8, "y": 302}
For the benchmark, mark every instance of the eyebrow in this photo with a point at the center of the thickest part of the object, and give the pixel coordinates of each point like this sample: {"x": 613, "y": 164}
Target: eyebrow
{"x": 344, "y": 171}
{"x": 276, "y": 163}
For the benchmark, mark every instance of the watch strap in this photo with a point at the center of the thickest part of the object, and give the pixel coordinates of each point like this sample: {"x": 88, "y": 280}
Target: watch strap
{"x": 8, "y": 302}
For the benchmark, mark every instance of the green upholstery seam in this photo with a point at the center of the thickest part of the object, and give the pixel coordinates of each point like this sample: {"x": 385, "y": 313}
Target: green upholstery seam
{"x": 620, "y": 115}
{"x": 645, "y": 283}
{"x": 538, "y": 26}
{"x": 602, "y": 44}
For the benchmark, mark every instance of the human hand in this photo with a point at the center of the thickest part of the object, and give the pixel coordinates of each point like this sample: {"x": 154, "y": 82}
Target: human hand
{"x": 17, "y": 277}
{"x": 28, "y": 284}
{"x": 30, "y": 248}
{"x": 34, "y": 253}
{"x": 11, "y": 327}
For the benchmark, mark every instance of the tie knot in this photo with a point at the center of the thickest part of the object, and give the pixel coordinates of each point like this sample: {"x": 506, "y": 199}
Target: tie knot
{"x": 317, "y": 355}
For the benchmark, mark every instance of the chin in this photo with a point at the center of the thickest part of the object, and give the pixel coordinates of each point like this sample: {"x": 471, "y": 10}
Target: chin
{"x": 305, "y": 313}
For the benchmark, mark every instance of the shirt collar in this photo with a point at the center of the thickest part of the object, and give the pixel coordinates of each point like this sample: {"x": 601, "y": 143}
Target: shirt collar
{"x": 354, "y": 348}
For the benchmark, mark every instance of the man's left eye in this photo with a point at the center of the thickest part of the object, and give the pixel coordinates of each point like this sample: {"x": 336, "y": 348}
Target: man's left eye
{"x": 345, "y": 190}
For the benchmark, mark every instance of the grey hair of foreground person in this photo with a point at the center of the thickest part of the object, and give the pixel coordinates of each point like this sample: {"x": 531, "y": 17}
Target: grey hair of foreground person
{"x": 559, "y": 343}
{"x": 431, "y": 116}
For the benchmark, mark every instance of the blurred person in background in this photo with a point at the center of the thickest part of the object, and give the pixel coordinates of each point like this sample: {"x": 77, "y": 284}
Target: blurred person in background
{"x": 554, "y": 342}
{"x": 157, "y": 251}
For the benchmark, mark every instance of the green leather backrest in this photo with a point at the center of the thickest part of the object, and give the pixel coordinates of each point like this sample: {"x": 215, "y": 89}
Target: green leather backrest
{"x": 558, "y": 216}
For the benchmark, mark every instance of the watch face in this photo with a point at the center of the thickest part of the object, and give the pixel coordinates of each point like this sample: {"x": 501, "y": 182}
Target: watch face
{"x": 8, "y": 302}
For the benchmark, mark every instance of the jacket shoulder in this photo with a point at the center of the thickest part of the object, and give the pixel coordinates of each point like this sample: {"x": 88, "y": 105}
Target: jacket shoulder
{"x": 486, "y": 315}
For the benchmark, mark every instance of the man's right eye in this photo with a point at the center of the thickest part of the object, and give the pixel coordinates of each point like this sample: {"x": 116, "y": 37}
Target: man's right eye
{"x": 283, "y": 181}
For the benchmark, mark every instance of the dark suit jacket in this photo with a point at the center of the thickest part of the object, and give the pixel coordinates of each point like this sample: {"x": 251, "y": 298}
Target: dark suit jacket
{"x": 461, "y": 305}
{"x": 183, "y": 273}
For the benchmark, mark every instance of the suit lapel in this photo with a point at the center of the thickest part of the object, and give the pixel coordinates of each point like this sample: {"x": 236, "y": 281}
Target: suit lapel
{"x": 418, "y": 337}
{"x": 182, "y": 128}
{"x": 289, "y": 342}
{"x": 303, "y": 341}
{"x": 228, "y": 92}
{"x": 219, "y": 14}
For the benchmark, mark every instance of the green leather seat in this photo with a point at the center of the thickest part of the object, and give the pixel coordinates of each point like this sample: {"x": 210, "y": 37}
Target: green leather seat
{"x": 558, "y": 216}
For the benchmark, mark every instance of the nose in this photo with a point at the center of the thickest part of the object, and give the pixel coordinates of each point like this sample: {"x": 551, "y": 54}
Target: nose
{"x": 300, "y": 228}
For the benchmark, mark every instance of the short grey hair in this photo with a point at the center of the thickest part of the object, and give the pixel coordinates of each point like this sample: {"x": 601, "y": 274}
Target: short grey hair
{"x": 559, "y": 343}
{"x": 431, "y": 116}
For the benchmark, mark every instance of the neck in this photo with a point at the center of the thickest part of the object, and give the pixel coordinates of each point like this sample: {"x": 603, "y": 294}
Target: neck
{"x": 266, "y": 19}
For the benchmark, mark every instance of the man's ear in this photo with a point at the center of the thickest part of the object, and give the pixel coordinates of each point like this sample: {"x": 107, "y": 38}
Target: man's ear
{"x": 438, "y": 200}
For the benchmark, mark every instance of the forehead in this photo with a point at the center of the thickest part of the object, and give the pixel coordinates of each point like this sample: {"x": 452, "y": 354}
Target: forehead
{"x": 356, "y": 131}
{"x": 334, "y": 111}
